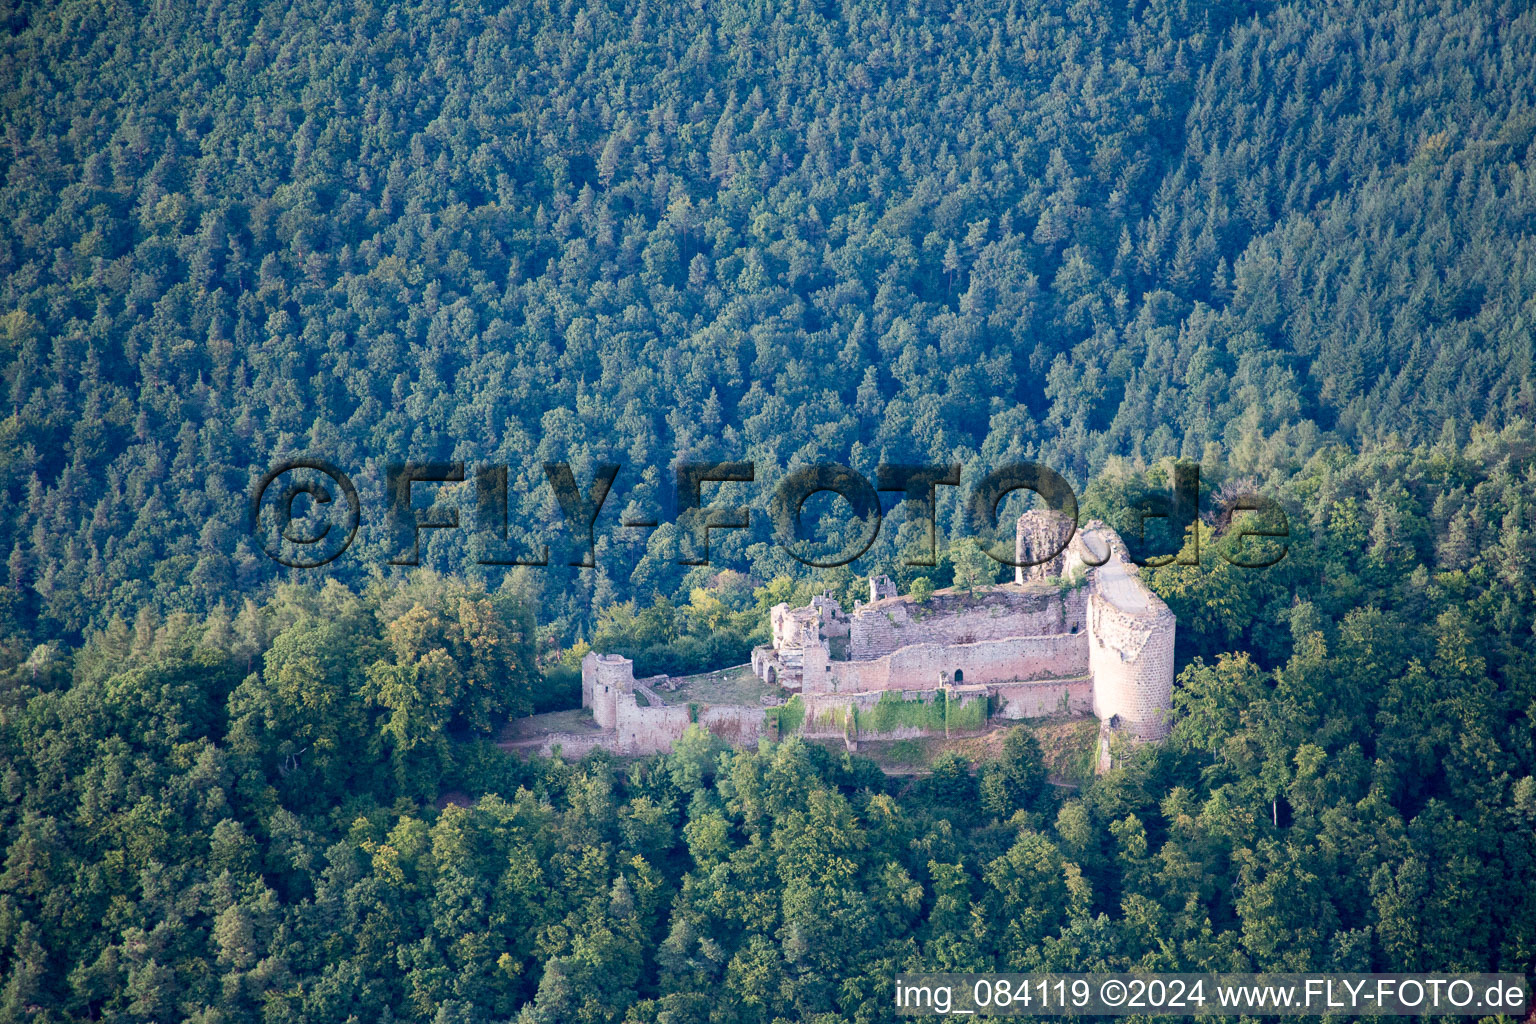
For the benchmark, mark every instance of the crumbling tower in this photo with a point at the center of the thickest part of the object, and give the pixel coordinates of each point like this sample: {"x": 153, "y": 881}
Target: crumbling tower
{"x": 1131, "y": 636}
{"x": 1039, "y": 533}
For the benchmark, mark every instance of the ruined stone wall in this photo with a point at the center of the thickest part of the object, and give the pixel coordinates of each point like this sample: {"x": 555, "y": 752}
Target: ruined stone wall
{"x": 952, "y": 711}
{"x": 764, "y": 658}
{"x": 930, "y": 665}
{"x": 878, "y": 629}
{"x": 1092, "y": 546}
{"x": 650, "y": 730}
{"x": 968, "y": 710}
{"x": 736, "y": 724}
{"x": 1131, "y": 656}
{"x": 1044, "y": 699}
{"x": 826, "y": 713}
{"x": 830, "y": 620}
{"x": 817, "y": 670}
{"x": 573, "y": 746}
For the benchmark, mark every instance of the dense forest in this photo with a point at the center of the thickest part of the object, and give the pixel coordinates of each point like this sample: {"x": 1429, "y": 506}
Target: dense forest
{"x": 785, "y": 232}
{"x": 1292, "y": 244}
{"x": 293, "y": 814}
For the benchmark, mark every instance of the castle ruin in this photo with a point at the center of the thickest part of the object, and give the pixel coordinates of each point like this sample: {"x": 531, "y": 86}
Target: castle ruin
{"x": 1076, "y": 633}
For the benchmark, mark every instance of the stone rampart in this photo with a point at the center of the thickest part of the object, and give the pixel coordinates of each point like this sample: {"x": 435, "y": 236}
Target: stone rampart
{"x": 736, "y": 724}
{"x": 895, "y": 714}
{"x": 650, "y": 730}
{"x": 573, "y": 746}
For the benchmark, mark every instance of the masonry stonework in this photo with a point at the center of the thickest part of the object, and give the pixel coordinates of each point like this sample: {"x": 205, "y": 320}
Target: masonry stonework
{"x": 1075, "y": 633}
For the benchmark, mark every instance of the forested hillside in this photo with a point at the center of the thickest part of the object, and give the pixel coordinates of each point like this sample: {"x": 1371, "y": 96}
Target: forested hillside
{"x": 260, "y": 819}
{"x": 1292, "y": 243}
{"x": 779, "y": 232}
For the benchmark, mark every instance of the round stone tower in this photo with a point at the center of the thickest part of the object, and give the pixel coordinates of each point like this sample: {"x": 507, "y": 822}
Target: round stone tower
{"x": 605, "y": 678}
{"x": 1130, "y": 636}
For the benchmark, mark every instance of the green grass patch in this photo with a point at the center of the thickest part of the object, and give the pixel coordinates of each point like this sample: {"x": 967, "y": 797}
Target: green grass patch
{"x": 735, "y": 685}
{"x": 906, "y": 752}
{"x": 1083, "y": 763}
{"x": 834, "y": 718}
{"x": 1070, "y": 749}
{"x": 791, "y": 715}
{"x": 967, "y": 716}
{"x": 892, "y": 713}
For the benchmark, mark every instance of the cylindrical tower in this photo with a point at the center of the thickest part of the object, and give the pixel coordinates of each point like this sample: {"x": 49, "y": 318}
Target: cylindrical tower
{"x": 604, "y": 677}
{"x": 1130, "y": 636}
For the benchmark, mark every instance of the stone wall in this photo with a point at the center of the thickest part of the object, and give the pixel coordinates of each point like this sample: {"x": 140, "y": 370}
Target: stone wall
{"x": 572, "y": 746}
{"x": 1044, "y": 699}
{"x": 881, "y": 587}
{"x": 930, "y": 665}
{"x": 736, "y": 724}
{"x": 1041, "y": 538}
{"x": 950, "y": 711}
{"x": 650, "y": 730}
{"x": 826, "y": 714}
{"x": 1091, "y": 547}
{"x": 876, "y": 630}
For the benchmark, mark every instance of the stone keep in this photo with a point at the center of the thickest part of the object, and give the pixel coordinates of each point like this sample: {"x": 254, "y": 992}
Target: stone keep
{"x": 626, "y": 726}
{"x": 605, "y": 679}
{"x": 1130, "y": 635}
